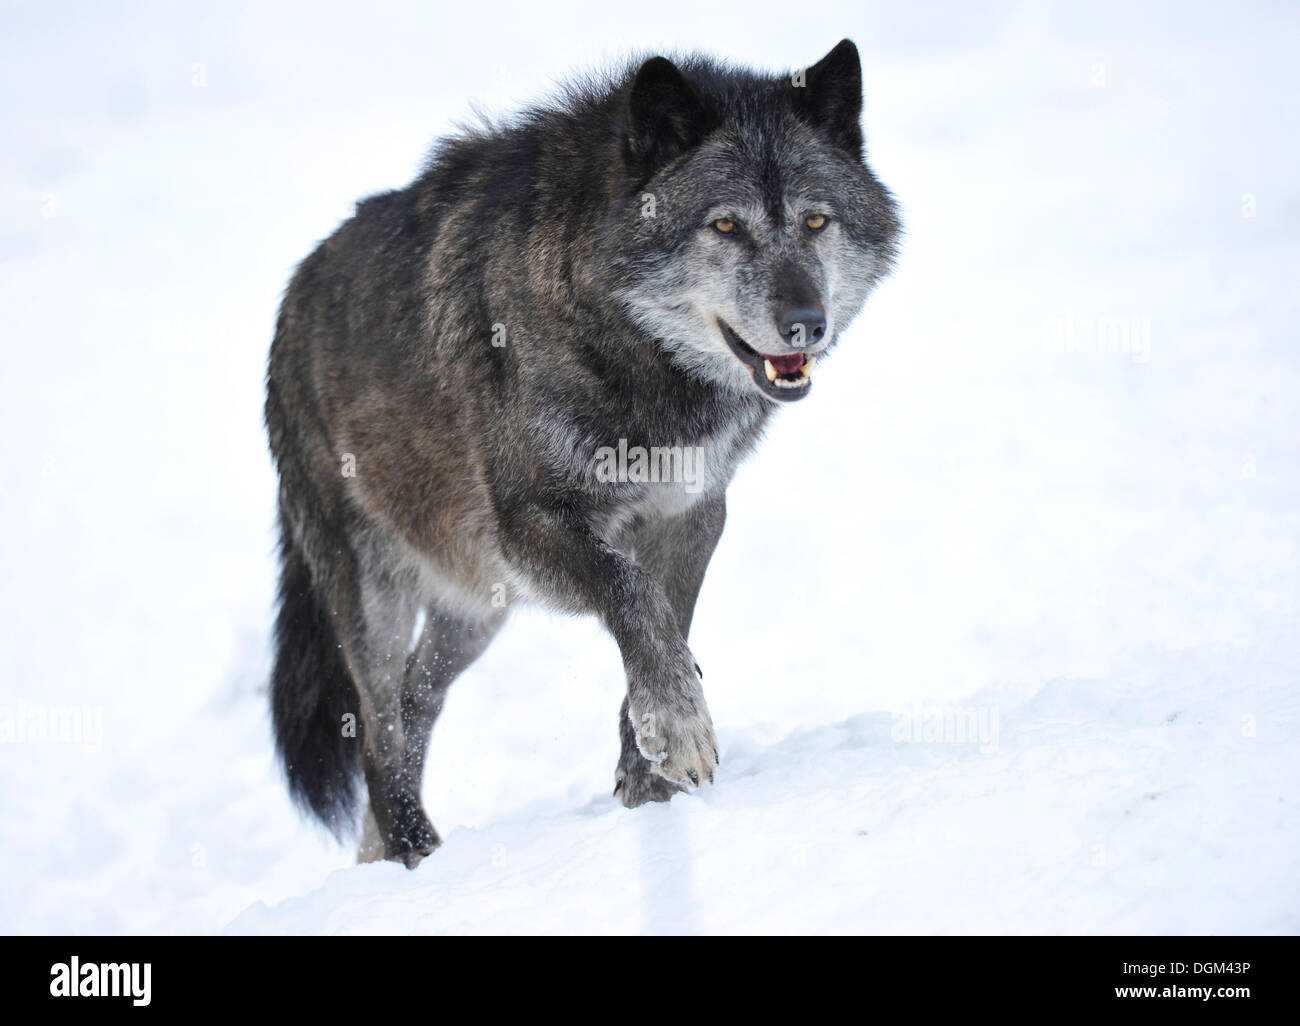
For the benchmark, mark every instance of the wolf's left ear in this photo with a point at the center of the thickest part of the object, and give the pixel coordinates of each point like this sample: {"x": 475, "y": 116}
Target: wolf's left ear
{"x": 829, "y": 94}
{"x": 665, "y": 117}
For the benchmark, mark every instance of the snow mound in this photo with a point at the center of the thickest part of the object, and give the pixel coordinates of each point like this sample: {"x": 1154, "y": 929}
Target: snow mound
{"x": 1082, "y": 809}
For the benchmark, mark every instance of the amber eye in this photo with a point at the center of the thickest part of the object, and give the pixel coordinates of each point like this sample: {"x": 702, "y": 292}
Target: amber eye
{"x": 725, "y": 225}
{"x": 816, "y": 222}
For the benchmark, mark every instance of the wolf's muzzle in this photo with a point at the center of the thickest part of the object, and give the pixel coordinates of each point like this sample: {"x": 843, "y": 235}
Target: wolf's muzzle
{"x": 785, "y": 377}
{"x": 802, "y": 326}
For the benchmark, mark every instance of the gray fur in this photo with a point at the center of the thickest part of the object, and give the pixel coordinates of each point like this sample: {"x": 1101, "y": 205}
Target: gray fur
{"x": 448, "y": 365}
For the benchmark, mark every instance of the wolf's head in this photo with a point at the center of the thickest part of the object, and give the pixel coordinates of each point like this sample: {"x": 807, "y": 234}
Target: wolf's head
{"x": 753, "y": 230}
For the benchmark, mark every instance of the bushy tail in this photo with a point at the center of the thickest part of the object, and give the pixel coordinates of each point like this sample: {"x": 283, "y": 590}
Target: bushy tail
{"x": 311, "y": 693}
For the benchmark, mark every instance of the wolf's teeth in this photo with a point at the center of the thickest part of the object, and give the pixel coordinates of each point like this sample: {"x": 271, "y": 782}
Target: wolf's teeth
{"x": 771, "y": 371}
{"x": 806, "y": 369}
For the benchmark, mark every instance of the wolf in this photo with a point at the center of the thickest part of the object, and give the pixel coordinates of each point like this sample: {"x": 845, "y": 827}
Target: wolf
{"x": 653, "y": 261}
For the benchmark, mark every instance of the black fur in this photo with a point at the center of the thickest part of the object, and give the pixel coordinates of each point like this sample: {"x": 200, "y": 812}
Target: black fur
{"x": 544, "y": 290}
{"x": 311, "y": 694}
{"x": 831, "y": 97}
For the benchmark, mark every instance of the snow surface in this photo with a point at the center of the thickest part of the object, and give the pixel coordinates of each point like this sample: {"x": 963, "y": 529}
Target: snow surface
{"x": 1093, "y": 555}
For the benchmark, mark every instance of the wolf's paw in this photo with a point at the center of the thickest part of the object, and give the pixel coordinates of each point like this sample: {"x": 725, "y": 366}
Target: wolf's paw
{"x": 679, "y": 744}
{"x": 412, "y": 853}
{"x": 410, "y": 847}
{"x": 636, "y": 782}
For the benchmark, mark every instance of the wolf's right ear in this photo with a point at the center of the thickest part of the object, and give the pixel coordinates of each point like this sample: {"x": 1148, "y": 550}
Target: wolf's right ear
{"x": 830, "y": 96}
{"x": 665, "y": 117}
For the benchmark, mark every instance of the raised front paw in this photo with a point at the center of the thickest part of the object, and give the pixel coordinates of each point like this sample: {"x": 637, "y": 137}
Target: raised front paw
{"x": 677, "y": 739}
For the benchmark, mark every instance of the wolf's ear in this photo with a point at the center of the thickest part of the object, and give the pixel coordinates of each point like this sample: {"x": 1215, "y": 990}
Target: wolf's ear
{"x": 665, "y": 117}
{"x": 829, "y": 94}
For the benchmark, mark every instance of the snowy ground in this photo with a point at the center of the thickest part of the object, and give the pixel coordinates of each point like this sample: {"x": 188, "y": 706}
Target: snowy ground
{"x": 1091, "y": 555}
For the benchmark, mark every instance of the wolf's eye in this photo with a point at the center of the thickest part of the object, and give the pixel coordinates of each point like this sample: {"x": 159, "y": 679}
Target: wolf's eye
{"x": 725, "y": 225}
{"x": 816, "y": 221}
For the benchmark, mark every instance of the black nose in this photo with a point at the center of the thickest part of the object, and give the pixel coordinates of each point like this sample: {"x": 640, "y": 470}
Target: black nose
{"x": 802, "y": 326}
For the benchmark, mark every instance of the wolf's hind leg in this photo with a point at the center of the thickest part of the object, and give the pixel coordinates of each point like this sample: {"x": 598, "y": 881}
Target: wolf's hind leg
{"x": 447, "y": 645}
{"x": 396, "y": 827}
{"x": 398, "y": 818}
{"x": 378, "y": 626}
{"x": 371, "y": 848}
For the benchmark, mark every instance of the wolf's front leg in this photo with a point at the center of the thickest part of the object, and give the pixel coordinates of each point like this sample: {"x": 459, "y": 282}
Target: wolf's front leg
{"x": 576, "y": 570}
{"x": 636, "y": 778}
{"x": 665, "y": 708}
{"x": 676, "y": 552}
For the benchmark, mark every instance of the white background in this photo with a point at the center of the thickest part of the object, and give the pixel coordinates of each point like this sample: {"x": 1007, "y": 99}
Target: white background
{"x": 1099, "y": 550}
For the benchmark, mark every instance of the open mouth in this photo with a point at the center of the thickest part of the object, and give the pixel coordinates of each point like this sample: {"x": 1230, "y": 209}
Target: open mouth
{"x": 784, "y": 378}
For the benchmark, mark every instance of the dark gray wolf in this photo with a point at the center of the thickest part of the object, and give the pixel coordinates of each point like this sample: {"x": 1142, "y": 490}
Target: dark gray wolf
{"x": 530, "y": 376}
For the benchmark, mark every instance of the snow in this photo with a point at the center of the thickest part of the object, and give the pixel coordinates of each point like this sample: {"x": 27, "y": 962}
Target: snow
{"x": 1090, "y": 814}
{"x": 1093, "y": 554}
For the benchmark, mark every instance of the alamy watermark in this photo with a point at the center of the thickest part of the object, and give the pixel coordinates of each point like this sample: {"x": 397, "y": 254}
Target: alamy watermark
{"x": 56, "y": 725}
{"x": 74, "y": 978}
{"x": 1100, "y": 335}
{"x": 925, "y": 723}
{"x": 677, "y": 464}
